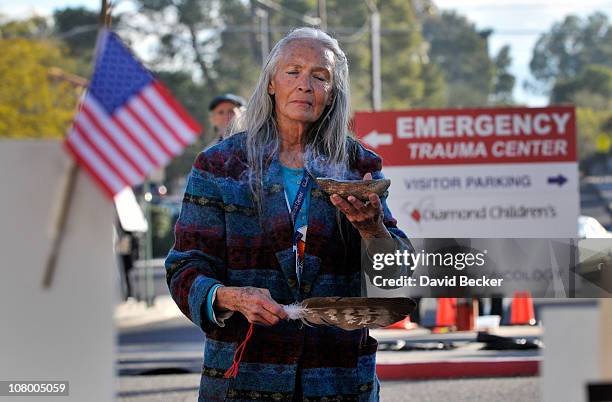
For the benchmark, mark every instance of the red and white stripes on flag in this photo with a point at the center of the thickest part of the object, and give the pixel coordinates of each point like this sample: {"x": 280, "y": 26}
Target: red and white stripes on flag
{"x": 122, "y": 148}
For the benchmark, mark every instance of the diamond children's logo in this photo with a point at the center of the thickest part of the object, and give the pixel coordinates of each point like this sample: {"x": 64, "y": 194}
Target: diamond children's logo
{"x": 416, "y": 215}
{"x": 415, "y": 210}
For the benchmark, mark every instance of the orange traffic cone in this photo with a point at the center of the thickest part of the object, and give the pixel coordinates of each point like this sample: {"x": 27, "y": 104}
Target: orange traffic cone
{"x": 521, "y": 311}
{"x": 402, "y": 324}
{"x": 467, "y": 311}
{"x": 446, "y": 314}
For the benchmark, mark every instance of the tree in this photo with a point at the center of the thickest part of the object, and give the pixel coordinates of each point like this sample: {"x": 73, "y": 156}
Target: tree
{"x": 592, "y": 88}
{"x": 238, "y": 60}
{"x": 31, "y": 28}
{"x": 434, "y": 94}
{"x": 204, "y": 45}
{"x": 32, "y": 103}
{"x": 78, "y": 29}
{"x": 504, "y": 81}
{"x": 573, "y": 64}
{"x": 590, "y": 124}
{"x": 218, "y": 44}
{"x": 462, "y": 53}
{"x": 569, "y": 47}
{"x": 408, "y": 80}
{"x": 232, "y": 53}
{"x": 186, "y": 33}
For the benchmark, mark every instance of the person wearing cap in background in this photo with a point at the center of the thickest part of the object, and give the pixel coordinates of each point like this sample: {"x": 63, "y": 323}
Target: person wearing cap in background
{"x": 223, "y": 108}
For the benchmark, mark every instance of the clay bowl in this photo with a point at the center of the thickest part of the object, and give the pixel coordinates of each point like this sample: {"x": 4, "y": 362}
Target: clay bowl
{"x": 357, "y": 188}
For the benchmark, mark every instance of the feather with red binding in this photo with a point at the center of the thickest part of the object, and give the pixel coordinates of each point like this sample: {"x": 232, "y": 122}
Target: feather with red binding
{"x": 351, "y": 313}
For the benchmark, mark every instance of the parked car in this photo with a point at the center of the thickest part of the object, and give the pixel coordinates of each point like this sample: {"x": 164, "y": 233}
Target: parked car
{"x": 590, "y": 228}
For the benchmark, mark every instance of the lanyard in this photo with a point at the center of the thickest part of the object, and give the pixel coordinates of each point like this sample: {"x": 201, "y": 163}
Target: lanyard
{"x": 299, "y": 198}
{"x": 293, "y": 214}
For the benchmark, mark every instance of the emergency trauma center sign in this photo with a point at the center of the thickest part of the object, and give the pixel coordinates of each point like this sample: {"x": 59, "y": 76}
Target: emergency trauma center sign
{"x": 503, "y": 172}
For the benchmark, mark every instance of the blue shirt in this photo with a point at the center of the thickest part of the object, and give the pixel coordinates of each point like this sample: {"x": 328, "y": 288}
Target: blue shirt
{"x": 291, "y": 180}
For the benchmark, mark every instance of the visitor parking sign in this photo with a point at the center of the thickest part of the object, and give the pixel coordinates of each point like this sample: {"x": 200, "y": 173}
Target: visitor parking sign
{"x": 503, "y": 172}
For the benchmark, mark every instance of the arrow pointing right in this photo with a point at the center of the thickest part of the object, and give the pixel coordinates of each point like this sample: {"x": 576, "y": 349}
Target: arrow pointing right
{"x": 559, "y": 179}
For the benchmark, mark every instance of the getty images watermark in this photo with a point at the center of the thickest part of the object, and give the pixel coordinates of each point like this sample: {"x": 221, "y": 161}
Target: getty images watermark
{"x": 487, "y": 267}
{"x": 458, "y": 261}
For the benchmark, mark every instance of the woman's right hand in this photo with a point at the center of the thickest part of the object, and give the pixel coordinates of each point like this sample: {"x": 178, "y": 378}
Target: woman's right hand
{"x": 256, "y": 304}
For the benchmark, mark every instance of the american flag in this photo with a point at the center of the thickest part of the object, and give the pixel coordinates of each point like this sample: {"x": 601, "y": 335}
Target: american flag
{"x": 128, "y": 123}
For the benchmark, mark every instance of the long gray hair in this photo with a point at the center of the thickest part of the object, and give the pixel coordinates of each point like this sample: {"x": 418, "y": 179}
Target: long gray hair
{"x": 325, "y": 141}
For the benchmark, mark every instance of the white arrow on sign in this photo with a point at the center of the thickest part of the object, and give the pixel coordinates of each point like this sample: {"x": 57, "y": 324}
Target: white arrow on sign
{"x": 374, "y": 139}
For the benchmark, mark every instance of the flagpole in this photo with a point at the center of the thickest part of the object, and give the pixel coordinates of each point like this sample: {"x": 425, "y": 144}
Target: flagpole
{"x": 59, "y": 228}
{"x": 148, "y": 277}
{"x": 60, "y": 223}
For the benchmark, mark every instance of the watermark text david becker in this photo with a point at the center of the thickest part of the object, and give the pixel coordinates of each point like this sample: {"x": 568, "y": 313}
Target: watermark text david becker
{"x": 461, "y": 280}
{"x": 457, "y": 261}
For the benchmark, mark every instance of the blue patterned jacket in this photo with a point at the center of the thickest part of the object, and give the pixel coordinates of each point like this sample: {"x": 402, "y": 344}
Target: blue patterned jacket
{"x": 220, "y": 238}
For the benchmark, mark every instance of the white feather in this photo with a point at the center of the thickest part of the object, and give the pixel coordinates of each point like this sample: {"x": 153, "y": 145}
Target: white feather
{"x": 295, "y": 311}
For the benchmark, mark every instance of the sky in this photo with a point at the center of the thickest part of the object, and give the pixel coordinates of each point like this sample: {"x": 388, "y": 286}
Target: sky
{"x": 514, "y": 22}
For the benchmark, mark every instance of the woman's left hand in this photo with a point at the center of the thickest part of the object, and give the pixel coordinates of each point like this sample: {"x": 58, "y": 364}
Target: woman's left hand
{"x": 366, "y": 218}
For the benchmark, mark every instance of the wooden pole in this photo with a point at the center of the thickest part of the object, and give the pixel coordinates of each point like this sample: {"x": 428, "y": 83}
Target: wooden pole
{"x": 68, "y": 190}
{"x": 376, "y": 87}
{"x": 60, "y": 224}
{"x": 105, "y": 14}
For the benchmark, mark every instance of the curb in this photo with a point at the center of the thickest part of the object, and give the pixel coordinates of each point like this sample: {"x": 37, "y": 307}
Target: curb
{"x": 458, "y": 369}
{"x": 136, "y": 313}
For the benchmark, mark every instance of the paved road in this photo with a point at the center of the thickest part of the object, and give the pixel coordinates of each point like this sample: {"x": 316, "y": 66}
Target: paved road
{"x": 525, "y": 389}
{"x": 179, "y": 388}
{"x": 177, "y": 344}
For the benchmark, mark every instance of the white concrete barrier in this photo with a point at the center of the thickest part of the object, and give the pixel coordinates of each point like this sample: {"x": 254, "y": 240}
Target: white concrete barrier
{"x": 65, "y": 332}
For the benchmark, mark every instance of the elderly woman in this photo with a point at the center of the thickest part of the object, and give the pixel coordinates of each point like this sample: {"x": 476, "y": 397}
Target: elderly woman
{"x": 249, "y": 205}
